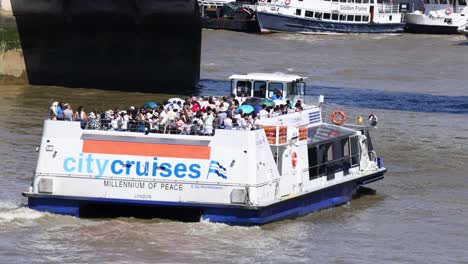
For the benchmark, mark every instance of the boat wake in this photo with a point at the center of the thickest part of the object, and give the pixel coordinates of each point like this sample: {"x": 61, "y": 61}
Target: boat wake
{"x": 12, "y": 214}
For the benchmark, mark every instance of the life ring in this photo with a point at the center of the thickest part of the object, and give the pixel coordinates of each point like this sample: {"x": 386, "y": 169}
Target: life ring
{"x": 287, "y": 2}
{"x": 339, "y": 121}
{"x": 448, "y": 11}
{"x": 294, "y": 159}
{"x": 373, "y": 119}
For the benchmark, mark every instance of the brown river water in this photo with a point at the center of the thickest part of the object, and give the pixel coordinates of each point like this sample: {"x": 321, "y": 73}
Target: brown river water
{"x": 417, "y": 85}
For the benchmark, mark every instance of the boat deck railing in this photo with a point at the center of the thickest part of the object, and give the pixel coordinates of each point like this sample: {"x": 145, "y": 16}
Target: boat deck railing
{"x": 388, "y": 8}
{"x": 170, "y": 127}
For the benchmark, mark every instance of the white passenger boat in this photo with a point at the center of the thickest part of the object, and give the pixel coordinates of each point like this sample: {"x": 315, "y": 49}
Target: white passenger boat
{"x": 294, "y": 164}
{"x": 438, "y": 17}
{"x": 330, "y": 16}
{"x": 463, "y": 29}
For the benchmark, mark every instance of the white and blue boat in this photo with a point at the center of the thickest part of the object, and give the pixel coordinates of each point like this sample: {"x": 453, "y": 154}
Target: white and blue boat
{"x": 291, "y": 165}
{"x": 438, "y": 17}
{"x": 330, "y": 16}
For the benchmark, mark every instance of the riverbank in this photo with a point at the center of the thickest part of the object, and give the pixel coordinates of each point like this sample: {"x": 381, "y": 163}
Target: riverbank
{"x": 12, "y": 65}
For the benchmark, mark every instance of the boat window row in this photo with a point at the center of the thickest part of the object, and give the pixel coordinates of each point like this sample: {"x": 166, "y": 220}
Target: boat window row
{"x": 334, "y": 16}
{"x": 444, "y": 2}
{"x": 329, "y": 158}
{"x": 263, "y": 89}
{"x": 353, "y": 1}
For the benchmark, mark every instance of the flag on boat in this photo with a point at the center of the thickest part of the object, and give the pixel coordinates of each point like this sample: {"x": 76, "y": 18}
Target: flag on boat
{"x": 218, "y": 169}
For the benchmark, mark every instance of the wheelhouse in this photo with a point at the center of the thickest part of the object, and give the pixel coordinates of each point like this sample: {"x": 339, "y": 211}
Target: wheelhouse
{"x": 265, "y": 85}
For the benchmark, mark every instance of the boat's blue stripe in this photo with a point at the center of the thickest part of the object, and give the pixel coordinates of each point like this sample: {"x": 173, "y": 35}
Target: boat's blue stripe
{"x": 230, "y": 214}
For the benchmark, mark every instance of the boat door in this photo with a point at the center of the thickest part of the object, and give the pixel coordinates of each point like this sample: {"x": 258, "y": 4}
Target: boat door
{"x": 371, "y": 11}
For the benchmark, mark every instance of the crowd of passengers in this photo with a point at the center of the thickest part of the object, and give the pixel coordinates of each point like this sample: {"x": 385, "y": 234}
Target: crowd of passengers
{"x": 190, "y": 116}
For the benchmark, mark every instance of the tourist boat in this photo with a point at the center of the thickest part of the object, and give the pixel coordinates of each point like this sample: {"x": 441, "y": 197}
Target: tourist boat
{"x": 294, "y": 164}
{"x": 330, "y": 16}
{"x": 438, "y": 17}
{"x": 463, "y": 29}
{"x": 229, "y": 15}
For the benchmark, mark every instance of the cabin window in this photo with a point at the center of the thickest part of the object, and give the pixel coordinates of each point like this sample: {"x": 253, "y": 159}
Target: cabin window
{"x": 350, "y": 1}
{"x": 349, "y": 18}
{"x": 343, "y": 17}
{"x": 357, "y": 18}
{"x": 343, "y": 1}
{"x": 461, "y": 2}
{"x": 260, "y": 89}
{"x": 334, "y": 0}
{"x": 313, "y": 163}
{"x": 273, "y": 87}
{"x": 443, "y": 2}
{"x": 326, "y": 16}
{"x": 318, "y": 15}
{"x": 334, "y": 16}
{"x": 244, "y": 88}
{"x": 365, "y": 18}
{"x": 427, "y": 1}
{"x": 309, "y": 13}
{"x": 346, "y": 160}
{"x": 298, "y": 12}
{"x": 358, "y": 1}
{"x": 355, "y": 151}
{"x": 365, "y": 1}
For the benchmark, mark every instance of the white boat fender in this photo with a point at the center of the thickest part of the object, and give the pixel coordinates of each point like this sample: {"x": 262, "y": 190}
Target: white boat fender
{"x": 373, "y": 120}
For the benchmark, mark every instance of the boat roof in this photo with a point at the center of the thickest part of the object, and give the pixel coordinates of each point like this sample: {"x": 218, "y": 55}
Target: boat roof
{"x": 327, "y": 133}
{"x": 275, "y": 77}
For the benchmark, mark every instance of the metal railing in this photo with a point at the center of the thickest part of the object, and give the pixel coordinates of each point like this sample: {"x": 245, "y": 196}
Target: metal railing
{"x": 388, "y": 8}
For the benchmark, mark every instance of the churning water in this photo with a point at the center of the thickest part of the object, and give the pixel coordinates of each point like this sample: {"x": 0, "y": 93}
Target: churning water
{"x": 417, "y": 85}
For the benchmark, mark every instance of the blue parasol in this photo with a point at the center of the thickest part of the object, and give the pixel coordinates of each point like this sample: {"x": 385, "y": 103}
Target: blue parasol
{"x": 246, "y": 109}
{"x": 150, "y": 105}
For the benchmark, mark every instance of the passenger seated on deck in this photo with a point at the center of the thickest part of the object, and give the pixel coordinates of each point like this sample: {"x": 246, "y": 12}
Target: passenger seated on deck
{"x": 208, "y": 120}
{"x": 67, "y": 112}
{"x": 278, "y": 95}
{"x": 53, "y": 111}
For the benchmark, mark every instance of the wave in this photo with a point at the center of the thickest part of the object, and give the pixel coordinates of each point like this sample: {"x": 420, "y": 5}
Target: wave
{"x": 18, "y": 214}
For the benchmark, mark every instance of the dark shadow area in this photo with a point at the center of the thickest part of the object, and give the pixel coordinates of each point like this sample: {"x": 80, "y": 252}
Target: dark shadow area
{"x": 132, "y": 45}
{"x": 98, "y": 210}
{"x": 464, "y": 43}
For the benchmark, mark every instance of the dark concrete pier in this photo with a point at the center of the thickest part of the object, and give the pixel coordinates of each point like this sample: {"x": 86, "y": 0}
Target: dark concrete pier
{"x": 137, "y": 45}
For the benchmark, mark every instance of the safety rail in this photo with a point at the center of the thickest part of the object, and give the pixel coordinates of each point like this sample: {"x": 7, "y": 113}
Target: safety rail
{"x": 388, "y": 8}
{"x": 330, "y": 167}
{"x": 170, "y": 127}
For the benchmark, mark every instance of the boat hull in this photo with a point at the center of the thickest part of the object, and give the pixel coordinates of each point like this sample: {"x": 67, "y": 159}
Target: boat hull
{"x": 229, "y": 214}
{"x": 280, "y": 23}
{"x": 431, "y": 29}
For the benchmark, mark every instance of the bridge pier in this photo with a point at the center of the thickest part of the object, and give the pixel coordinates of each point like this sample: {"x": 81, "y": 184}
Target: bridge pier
{"x": 136, "y": 45}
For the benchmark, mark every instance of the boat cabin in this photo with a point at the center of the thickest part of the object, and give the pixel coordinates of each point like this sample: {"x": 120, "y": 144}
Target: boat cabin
{"x": 267, "y": 85}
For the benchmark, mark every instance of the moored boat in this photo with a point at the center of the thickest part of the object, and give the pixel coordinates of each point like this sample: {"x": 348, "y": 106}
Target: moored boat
{"x": 463, "y": 29}
{"x": 330, "y": 16}
{"x": 438, "y": 17}
{"x": 289, "y": 165}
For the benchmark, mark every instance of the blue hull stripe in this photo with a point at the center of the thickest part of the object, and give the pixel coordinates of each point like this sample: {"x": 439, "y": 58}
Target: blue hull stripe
{"x": 282, "y": 23}
{"x": 229, "y": 214}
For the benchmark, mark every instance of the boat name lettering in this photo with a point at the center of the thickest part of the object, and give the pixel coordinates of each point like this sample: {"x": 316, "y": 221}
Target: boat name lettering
{"x": 353, "y": 8}
{"x": 99, "y": 167}
{"x": 143, "y": 185}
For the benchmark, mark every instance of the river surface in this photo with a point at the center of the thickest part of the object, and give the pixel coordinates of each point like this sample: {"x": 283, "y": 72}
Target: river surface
{"x": 416, "y": 84}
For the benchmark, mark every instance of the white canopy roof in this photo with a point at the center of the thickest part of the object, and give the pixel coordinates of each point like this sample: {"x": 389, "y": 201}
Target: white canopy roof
{"x": 272, "y": 77}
